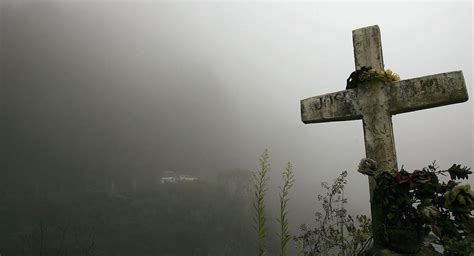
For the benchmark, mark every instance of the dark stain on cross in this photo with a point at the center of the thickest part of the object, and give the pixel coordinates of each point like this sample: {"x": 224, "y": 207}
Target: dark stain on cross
{"x": 375, "y": 101}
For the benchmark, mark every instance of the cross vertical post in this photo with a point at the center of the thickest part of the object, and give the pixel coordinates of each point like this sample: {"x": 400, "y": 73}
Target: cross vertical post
{"x": 377, "y": 120}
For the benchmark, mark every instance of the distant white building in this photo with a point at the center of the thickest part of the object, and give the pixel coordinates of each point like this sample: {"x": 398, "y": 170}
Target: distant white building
{"x": 172, "y": 177}
{"x": 186, "y": 178}
{"x": 168, "y": 177}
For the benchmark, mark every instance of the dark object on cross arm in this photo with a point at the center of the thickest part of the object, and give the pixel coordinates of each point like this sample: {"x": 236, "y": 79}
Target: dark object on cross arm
{"x": 356, "y": 77}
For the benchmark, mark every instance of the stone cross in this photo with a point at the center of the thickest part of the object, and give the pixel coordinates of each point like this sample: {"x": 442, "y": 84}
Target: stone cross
{"x": 375, "y": 102}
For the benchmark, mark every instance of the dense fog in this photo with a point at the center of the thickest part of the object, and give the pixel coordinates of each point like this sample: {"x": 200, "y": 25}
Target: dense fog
{"x": 100, "y": 98}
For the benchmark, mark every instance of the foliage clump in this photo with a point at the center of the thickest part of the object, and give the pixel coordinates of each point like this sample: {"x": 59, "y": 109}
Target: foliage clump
{"x": 434, "y": 211}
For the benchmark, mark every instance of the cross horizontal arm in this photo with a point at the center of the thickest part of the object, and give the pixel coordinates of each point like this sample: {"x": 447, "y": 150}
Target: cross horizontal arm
{"x": 427, "y": 92}
{"x": 337, "y": 106}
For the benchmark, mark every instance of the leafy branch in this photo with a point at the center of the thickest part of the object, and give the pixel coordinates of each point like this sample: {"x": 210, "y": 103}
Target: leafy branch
{"x": 336, "y": 232}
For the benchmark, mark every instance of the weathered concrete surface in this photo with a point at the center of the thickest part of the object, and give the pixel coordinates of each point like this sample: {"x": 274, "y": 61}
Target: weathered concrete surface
{"x": 338, "y": 106}
{"x": 375, "y": 102}
{"x": 401, "y": 97}
{"x": 367, "y": 47}
{"x": 426, "y": 92}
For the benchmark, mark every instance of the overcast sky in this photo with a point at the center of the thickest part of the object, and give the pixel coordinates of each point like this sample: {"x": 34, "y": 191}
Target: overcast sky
{"x": 191, "y": 86}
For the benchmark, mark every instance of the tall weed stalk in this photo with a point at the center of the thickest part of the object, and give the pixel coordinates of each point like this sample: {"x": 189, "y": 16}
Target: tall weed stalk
{"x": 260, "y": 181}
{"x": 284, "y": 234}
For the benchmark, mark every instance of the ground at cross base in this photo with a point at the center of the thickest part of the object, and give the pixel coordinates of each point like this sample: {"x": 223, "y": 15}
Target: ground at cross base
{"x": 387, "y": 252}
